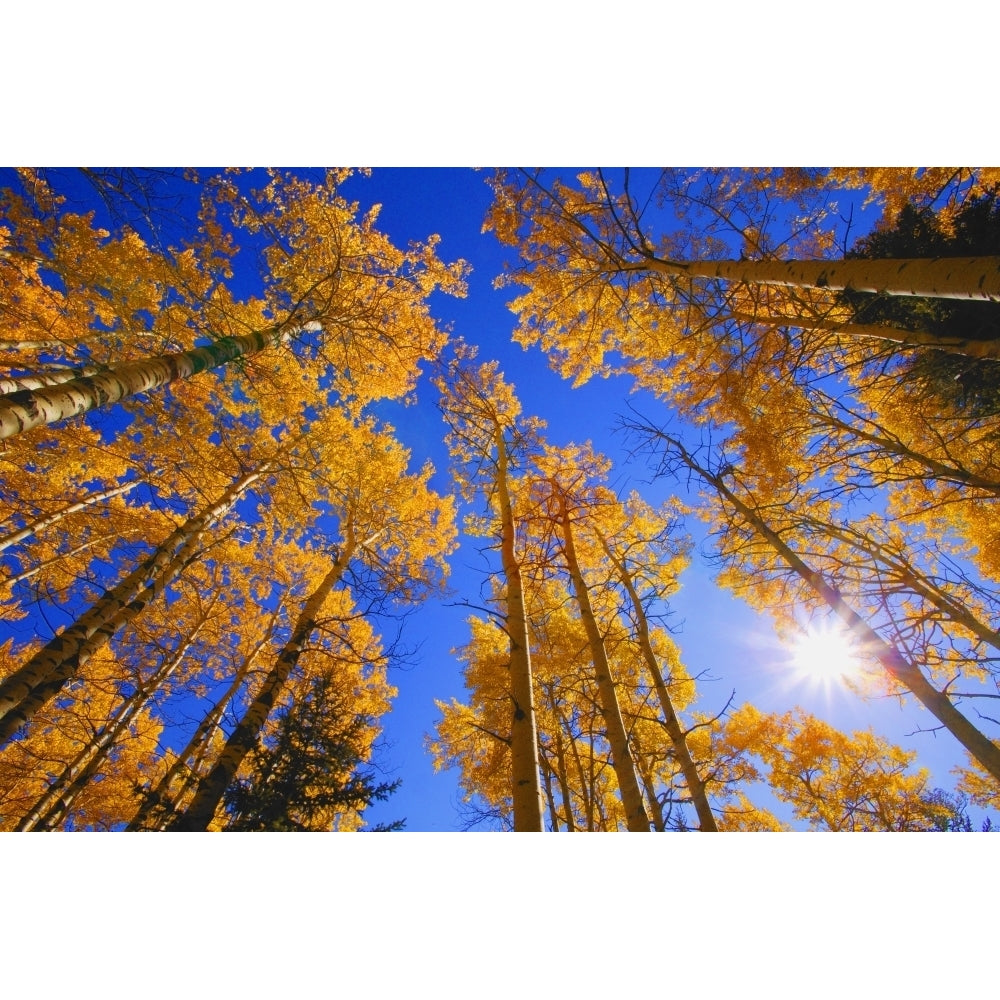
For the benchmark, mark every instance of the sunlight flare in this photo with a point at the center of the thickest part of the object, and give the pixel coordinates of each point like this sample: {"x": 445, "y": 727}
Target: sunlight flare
{"x": 825, "y": 651}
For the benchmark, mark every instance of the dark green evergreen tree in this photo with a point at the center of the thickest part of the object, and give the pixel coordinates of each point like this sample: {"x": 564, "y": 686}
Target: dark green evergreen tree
{"x": 967, "y": 386}
{"x": 308, "y": 771}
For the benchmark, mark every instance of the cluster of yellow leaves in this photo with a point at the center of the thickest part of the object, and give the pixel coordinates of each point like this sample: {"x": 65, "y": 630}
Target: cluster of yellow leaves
{"x": 60, "y": 733}
{"x": 832, "y": 780}
{"x": 942, "y": 188}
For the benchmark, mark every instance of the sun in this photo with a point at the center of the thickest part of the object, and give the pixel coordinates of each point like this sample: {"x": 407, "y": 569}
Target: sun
{"x": 825, "y": 651}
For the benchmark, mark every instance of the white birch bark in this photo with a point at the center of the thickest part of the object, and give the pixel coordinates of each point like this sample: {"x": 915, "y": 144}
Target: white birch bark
{"x": 56, "y": 663}
{"x": 976, "y": 278}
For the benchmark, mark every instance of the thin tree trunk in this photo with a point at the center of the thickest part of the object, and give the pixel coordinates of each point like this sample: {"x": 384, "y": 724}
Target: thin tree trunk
{"x": 28, "y": 408}
{"x": 982, "y": 349}
{"x": 560, "y": 757}
{"x": 587, "y": 811}
{"x": 526, "y": 791}
{"x": 563, "y": 781}
{"x": 586, "y": 785}
{"x": 953, "y": 609}
{"x": 52, "y": 560}
{"x": 636, "y": 818}
{"x": 46, "y": 519}
{"x": 550, "y": 795}
{"x": 211, "y": 788}
{"x": 940, "y": 471}
{"x": 43, "y": 676}
{"x": 895, "y": 664}
{"x": 159, "y": 804}
{"x": 655, "y": 808}
{"x": 677, "y": 736}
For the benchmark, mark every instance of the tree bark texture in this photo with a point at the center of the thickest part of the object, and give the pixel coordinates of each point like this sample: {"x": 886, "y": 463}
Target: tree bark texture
{"x": 636, "y": 818}
{"x": 27, "y": 408}
{"x": 526, "y": 791}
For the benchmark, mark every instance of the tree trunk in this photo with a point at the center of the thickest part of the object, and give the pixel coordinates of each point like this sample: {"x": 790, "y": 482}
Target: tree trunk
{"x": 56, "y": 663}
{"x": 549, "y": 794}
{"x": 20, "y": 411}
{"x": 45, "y": 520}
{"x": 895, "y": 664}
{"x": 211, "y": 788}
{"x": 938, "y": 278}
{"x": 526, "y": 791}
{"x": 160, "y": 803}
{"x": 636, "y": 818}
{"x": 678, "y": 739}
{"x": 655, "y": 806}
{"x": 563, "y": 781}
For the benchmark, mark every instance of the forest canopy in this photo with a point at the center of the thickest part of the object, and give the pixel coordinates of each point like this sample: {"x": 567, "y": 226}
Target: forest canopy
{"x": 275, "y": 477}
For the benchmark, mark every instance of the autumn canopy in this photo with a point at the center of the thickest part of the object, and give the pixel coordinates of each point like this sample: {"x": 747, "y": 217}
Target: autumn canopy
{"x": 215, "y": 545}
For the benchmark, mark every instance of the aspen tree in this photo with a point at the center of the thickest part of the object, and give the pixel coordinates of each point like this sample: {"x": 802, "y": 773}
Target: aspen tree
{"x": 390, "y": 522}
{"x": 27, "y": 408}
{"x": 614, "y": 273}
{"x": 89, "y": 317}
{"x": 576, "y": 476}
{"x": 45, "y": 673}
{"x": 621, "y": 755}
{"x": 901, "y": 670}
{"x": 483, "y": 416}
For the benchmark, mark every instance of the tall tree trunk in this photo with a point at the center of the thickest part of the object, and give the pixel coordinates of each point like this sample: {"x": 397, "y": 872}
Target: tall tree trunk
{"x": 677, "y": 736}
{"x": 938, "y": 278}
{"x": 636, "y": 818}
{"x": 560, "y": 758}
{"x": 59, "y": 661}
{"x": 27, "y": 408}
{"x": 561, "y": 777}
{"x": 211, "y": 788}
{"x": 526, "y": 792}
{"x": 655, "y": 806}
{"x": 586, "y": 791}
{"x": 550, "y": 797}
{"x": 893, "y": 662}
